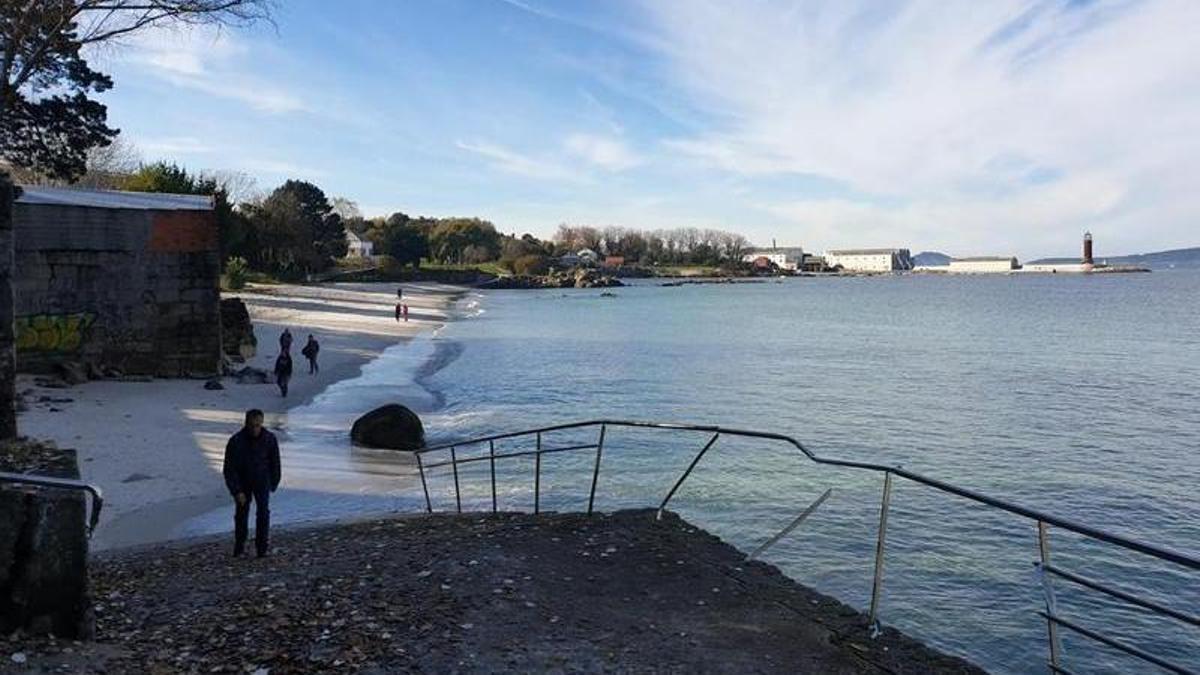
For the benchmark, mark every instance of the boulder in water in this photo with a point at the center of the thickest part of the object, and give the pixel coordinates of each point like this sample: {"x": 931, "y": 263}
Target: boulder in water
{"x": 392, "y": 426}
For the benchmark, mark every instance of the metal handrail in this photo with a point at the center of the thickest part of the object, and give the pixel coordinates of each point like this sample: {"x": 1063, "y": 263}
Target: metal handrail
{"x": 1154, "y": 550}
{"x": 1042, "y": 519}
{"x": 64, "y": 483}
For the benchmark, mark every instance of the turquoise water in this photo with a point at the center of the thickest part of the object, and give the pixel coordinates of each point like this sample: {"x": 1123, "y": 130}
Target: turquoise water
{"x": 1073, "y": 394}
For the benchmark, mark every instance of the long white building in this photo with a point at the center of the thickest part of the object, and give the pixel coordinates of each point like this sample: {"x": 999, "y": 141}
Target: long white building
{"x": 870, "y": 259}
{"x": 983, "y": 264}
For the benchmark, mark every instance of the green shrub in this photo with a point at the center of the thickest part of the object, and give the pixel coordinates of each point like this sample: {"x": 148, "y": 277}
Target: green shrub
{"x": 531, "y": 264}
{"x": 237, "y": 270}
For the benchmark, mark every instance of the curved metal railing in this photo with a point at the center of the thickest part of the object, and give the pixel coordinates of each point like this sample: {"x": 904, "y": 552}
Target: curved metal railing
{"x": 1043, "y": 520}
{"x": 61, "y": 483}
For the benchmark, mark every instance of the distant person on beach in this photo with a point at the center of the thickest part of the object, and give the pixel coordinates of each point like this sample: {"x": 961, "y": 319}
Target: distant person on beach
{"x": 252, "y": 471}
{"x": 285, "y": 341}
{"x": 399, "y": 293}
{"x": 310, "y": 351}
{"x": 404, "y": 311}
{"x": 283, "y": 372}
{"x": 399, "y": 310}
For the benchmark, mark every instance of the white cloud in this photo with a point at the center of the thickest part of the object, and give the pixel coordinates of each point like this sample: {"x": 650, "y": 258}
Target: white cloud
{"x": 980, "y": 122}
{"x": 174, "y": 145}
{"x": 281, "y": 168}
{"x": 610, "y": 154}
{"x": 212, "y": 62}
{"x": 520, "y": 164}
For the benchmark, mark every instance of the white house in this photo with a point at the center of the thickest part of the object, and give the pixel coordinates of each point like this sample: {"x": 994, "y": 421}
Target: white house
{"x": 983, "y": 265}
{"x": 357, "y": 247}
{"x": 783, "y": 258}
{"x": 870, "y": 259}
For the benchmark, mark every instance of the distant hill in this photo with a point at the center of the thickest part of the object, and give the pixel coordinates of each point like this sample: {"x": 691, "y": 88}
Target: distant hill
{"x": 930, "y": 259}
{"x": 1185, "y": 258}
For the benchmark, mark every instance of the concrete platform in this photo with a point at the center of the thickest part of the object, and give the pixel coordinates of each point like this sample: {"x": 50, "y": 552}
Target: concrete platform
{"x": 473, "y": 593}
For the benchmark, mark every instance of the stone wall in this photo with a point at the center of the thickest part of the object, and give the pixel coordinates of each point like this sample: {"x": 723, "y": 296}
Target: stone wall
{"x": 134, "y": 290}
{"x": 8, "y": 390}
{"x": 43, "y": 548}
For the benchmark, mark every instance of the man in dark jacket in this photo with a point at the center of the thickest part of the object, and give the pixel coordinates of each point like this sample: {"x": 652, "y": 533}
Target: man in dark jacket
{"x": 283, "y": 372}
{"x": 310, "y": 352}
{"x": 252, "y": 472}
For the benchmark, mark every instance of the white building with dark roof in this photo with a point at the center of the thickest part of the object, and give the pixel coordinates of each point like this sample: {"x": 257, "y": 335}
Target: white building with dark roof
{"x": 357, "y": 247}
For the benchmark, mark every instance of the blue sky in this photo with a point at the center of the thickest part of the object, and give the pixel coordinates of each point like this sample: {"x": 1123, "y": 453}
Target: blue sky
{"x": 1007, "y": 126}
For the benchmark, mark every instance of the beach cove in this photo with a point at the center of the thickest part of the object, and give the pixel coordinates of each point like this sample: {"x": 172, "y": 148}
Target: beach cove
{"x": 155, "y": 447}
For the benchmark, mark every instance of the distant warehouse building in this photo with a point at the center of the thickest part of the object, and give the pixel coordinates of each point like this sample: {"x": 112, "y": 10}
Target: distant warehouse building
{"x": 870, "y": 259}
{"x": 983, "y": 265}
{"x": 120, "y": 280}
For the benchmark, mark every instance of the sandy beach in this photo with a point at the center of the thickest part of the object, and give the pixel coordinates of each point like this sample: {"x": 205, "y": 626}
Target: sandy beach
{"x": 155, "y": 448}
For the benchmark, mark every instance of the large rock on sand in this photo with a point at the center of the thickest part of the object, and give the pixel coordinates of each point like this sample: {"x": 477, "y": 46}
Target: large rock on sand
{"x": 391, "y": 426}
{"x": 237, "y": 333}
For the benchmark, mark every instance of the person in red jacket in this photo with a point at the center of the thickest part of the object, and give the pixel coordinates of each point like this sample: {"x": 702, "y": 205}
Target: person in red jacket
{"x": 252, "y": 471}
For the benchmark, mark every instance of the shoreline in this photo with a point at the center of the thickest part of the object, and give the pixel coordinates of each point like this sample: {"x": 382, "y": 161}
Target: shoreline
{"x": 155, "y": 448}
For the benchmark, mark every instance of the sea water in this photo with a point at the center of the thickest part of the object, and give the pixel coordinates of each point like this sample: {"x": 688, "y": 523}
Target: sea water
{"x": 1076, "y": 395}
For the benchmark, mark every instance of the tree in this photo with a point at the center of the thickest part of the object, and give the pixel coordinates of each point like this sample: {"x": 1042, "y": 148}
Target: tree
{"x": 48, "y": 118}
{"x": 296, "y": 229}
{"x": 346, "y": 208}
{"x": 402, "y": 239}
{"x": 464, "y": 240}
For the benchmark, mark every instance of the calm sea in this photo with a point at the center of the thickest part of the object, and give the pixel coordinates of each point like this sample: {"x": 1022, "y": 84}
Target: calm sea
{"x": 1079, "y": 395}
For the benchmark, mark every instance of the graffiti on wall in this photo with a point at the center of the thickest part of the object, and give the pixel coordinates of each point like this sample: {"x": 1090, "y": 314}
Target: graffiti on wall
{"x": 52, "y": 332}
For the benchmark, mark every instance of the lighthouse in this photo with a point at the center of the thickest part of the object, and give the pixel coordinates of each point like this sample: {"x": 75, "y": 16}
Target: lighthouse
{"x": 1087, "y": 248}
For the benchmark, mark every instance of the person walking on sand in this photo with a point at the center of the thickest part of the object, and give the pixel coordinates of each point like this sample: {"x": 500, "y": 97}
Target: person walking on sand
{"x": 399, "y": 293}
{"x": 310, "y": 351}
{"x": 285, "y": 341}
{"x": 404, "y": 311}
{"x": 283, "y": 372}
{"x": 399, "y": 311}
{"x": 252, "y": 471}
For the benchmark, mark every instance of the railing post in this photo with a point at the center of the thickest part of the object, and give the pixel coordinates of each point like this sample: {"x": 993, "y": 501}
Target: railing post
{"x": 1048, "y": 591}
{"x": 424, "y": 486}
{"x": 688, "y": 472}
{"x": 877, "y": 585}
{"x": 537, "y": 475}
{"x": 492, "y": 461}
{"x": 457, "y": 491}
{"x": 596, "y": 469}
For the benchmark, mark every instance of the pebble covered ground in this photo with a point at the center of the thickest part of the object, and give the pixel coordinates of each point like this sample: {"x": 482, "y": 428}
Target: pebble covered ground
{"x": 473, "y": 593}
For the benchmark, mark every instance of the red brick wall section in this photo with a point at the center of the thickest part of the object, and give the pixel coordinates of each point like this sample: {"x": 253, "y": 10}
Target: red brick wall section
{"x": 183, "y": 232}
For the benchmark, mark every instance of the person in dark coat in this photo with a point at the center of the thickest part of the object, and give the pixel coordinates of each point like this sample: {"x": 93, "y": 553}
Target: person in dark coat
{"x": 252, "y": 471}
{"x": 283, "y": 372}
{"x": 310, "y": 351}
{"x": 285, "y": 341}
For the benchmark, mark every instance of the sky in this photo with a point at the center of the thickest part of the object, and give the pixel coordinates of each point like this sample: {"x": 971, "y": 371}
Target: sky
{"x": 966, "y": 126}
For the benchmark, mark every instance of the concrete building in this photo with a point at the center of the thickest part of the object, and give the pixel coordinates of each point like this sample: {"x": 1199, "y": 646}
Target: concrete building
{"x": 122, "y": 280}
{"x": 357, "y": 247}
{"x": 870, "y": 259}
{"x": 983, "y": 265}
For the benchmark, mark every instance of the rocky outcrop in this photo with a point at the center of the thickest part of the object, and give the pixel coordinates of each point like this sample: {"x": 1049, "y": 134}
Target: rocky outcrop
{"x": 43, "y": 547}
{"x": 237, "y": 332}
{"x": 580, "y": 278}
{"x": 393, "y": 427}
